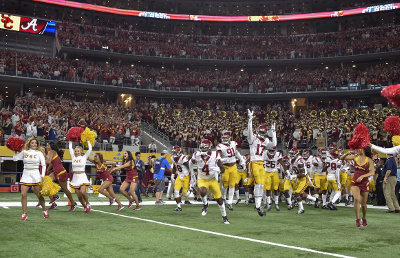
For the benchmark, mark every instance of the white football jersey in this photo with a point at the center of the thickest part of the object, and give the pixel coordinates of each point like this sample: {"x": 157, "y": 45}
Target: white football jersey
{"x": 333, "y": 167}
{"x": 271, "y": 163}
{"x": 207, "y": 167}
{"x": 295, "y": 164}
{"x": 241, "y": 167}
{"x": 257, "y": 148}
{"x": 318, "y": 166}
{"x": 228, "y": 152}
{"x": 178, "y": 162}
{"x": 309, "y": 165}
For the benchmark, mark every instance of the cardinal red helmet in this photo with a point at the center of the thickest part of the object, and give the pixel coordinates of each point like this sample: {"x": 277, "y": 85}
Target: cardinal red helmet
{"x": 271, "y": 149}
{"x": 205, "y": 147}
{"x": 305, "y": 154}
{"x": 293, "y": 152}
{"x": 341, "y": 150}
{"x": 226, "y": 137}
{"x": 335, "y": 153}
{"x": 331, "y": 147}
{"x": 286, "y": 160}
{"x": 176, "y": 151}
{"x": 262, "y": 131}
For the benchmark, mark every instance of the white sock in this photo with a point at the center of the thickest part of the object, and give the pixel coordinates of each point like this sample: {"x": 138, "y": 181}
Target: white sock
{"x": 276, "y": 199}
{"x": 179, "y": 205}
{"x": 237, "y": 194}
{"x": 289, "y": 200}
{"x": 231, "y": 192}
{"x": 204, "y": 199}
{"x": 222, "y": 209}
{"x": 258, "y": 191}
{"x": 346, "y": 196}
{"x": 312, "y": 198}
{"x": 264, "y": 197}
{"x": 247, "y": 196}
{"x": 300, "y": 205}
{"x": 323, "y": 199}
{"x": 268, "y": 200}
{"x": 223, "y": 192}
{"x": 336, "y": 197}
{"x": 250, "y": 195}
{"x": 316, "y": 196}
{"x": 331, "y": 196}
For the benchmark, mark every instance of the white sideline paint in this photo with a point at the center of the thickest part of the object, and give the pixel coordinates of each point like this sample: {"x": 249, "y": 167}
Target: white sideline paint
{"x": 226, "y": 235}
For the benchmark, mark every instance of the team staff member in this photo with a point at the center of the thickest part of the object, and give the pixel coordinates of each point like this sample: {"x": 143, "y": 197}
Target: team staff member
{"x": 363, "y": 168}
{"x": 79, "y": 180}
{"x": 140, "y": 168}
{"x": 389, "y": 173}
{"x": 160, "y": 166}
{"x": 32, "y": 158}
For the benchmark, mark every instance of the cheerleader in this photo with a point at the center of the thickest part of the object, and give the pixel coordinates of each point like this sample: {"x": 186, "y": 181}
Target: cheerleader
{"x": 107, "y": 178}
{"x": 131, "y": 179}
{"x": 32, "y": 158}
{"x": 59, "y": 174}
{"x": 79, "y": 180}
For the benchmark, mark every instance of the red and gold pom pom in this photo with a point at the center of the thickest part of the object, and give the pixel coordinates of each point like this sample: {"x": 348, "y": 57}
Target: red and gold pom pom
{"x": 88, "y": 135}
{"x": 74, "y": 134}
{"x": 392, "y": 93}
{"x": 48, "y": 187}
{"x": 396, "y": 140}
{"x": 392, "y": 125}
{"x": 360, "y": 139}
{"x": 15, "y": 143}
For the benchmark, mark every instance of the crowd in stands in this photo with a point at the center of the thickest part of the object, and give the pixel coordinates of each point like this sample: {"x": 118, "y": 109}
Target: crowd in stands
{"x": 129, "y": 41}
{"x": 199, "y": 79}
{"x": 187, "y": 122}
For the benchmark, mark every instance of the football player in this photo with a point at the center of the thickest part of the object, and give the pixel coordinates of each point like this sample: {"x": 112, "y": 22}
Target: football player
{"x": 209, "y": 165}
{"x": 320, "y": 182}
{"x": 332, "y": 168}
{"x": 308, "y": 158}
{"x": 228, "y": 153}
{"x": 242, "y": 176}
{"x": 299, "y": 173}
{"x": 272, "y": 160}
{"x": 258, "y": 144}
{"x": 288, "y": 184}
{"x": 182, "y": 174}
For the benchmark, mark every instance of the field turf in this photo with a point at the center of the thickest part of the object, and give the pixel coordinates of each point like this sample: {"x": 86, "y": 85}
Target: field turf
{"x": 103, "y": 232}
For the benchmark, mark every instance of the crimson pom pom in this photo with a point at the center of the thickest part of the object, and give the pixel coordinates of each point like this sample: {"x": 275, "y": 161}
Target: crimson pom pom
{"x": 15, "y": 143}
{"x": 360, "y": 139}
{"x": 74, "y": 134}
{"x": 392, "y": 125}
{"x": 392, "y": 93}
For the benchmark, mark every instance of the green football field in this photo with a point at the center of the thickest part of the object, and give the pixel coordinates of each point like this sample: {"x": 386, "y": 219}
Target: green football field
{"x": 158, "y": 231}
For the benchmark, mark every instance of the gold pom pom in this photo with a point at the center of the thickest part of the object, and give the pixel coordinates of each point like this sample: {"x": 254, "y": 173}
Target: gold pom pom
{"x": 396, "y": 140}
{"x": 88, "y": 135}
{"x": 48, "y": 187}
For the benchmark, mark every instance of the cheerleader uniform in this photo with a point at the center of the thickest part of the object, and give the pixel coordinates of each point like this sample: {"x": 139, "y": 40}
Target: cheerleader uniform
{"x": 359, "y": 170}
{"x": 104, "y": 173}
{"x": 59, "y": 172}
{"x": 32, "y": 159}
{"x": 78, "y": 168}
{"x": 131, "y": 175}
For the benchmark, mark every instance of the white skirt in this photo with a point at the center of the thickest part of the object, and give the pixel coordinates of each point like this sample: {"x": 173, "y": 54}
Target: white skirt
{"x": 30, "y": 177}
{"x": 78, "y": 180}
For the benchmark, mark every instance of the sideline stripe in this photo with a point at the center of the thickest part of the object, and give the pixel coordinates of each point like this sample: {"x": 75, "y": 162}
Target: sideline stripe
{"x": 226, "y": 235}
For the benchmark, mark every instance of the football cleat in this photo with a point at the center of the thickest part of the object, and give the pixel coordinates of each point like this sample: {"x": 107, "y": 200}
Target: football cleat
{"x": 347, "y": 202}
{"x": 324, "y": 207}
{"x": 137, "y": 208}
{"x": 247, "y": 202}
{"x": 85, "y": 210}
{"x": 237, "y": 201}
{"x": 332, "y": 206}
{"x": 300, "y": 211}
{"x": 204, "y": 210}
{"x": 269, "y": 207}
{"x": 54, "y": 199}
{"x": 45, "y": 214}
{"x": 53, "y": 206}
{"x": 120, "y": 207}
{"x": 24, "y": 217}
{"x": 178, "y": 209}
{"x": 290, "y": 206}
{"x": 225, "y": 219}
{"x": 73, "y": 207}
{"x": 130, "y": 204}
{"x": 112, "y": 201}
{"x": 229, "y": 206}
{"x": 358, "y": 224}
{"x": 188, "y": 202}
{"x": 316, "y": 204}
{"x": 277, "y": 207}
{"x": 261, "y": 212}
{"x": 364, "y": 222}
